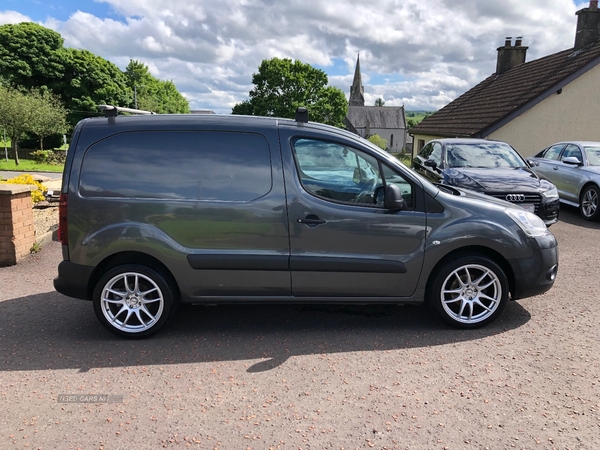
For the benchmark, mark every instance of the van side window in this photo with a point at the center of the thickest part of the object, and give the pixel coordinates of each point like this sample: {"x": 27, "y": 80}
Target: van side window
{"x": 393, "y": 177}
{"x": 337, "y": 172}
{"x": 195, "y": 165}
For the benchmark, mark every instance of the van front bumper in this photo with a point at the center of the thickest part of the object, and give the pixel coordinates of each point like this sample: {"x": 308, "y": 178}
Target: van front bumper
{"x": 536, "y": 274}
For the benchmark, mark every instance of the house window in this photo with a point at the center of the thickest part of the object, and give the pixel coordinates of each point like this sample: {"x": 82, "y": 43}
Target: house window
{"x": 420, "y": 144}
{"x": 392, "y": 141}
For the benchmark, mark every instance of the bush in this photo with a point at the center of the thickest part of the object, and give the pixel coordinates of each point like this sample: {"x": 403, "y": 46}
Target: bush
{"x": 57, "y": 157}
{"x": 37, "y": 195}
{"x": 40, "y": 156}
{"x": 378, "y": 141}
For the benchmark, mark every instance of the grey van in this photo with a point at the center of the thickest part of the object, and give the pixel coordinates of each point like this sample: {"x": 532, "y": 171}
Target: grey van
{"x": 161, "y": 209}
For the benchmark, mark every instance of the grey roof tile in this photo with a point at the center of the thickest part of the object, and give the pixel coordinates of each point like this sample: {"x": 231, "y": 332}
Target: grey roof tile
{"x": 495, "y": 98}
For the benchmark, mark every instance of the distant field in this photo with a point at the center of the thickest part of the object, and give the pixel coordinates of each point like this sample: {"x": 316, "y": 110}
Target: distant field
{"x": 415, "y": 117}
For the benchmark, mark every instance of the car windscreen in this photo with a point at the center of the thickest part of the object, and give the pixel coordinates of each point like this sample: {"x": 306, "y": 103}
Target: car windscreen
{"x": 593, "y": 155}
{"x": 484, "y": 154}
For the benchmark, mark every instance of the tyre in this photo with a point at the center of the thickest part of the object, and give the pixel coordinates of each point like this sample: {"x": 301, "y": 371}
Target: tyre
{"x": 588, "y": 205}
{"x": 469, "y": 292}
{"x": 133, "y": 301}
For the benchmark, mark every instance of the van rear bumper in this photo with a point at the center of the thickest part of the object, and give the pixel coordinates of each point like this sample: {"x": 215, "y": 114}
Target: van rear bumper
{"x": 73, "y": 280}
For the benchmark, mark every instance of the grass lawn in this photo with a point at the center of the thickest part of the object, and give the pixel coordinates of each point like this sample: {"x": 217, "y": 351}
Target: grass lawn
{"x": 27, "y": 165}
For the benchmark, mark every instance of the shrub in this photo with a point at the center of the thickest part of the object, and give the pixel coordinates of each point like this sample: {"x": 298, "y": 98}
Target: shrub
{"x": 37, "y": 195}
{"x": 378, "y": 141}
{"x": 40, "y": 156}
{"x": 57, "y": 157}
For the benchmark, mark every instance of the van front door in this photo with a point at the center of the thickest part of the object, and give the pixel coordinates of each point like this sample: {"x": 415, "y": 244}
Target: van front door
{"x": 343, "y": 242}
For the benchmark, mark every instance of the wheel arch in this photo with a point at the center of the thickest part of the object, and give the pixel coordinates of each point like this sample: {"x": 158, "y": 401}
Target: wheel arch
{"x": 585, "y": 186}
{"x": 474, "y": 250}
{"x": 119, "y": 259}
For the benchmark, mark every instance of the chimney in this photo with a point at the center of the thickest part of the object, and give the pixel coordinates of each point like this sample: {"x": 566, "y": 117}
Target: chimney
{"x": 588, "y": 25}
{"x": 510, "y": 56}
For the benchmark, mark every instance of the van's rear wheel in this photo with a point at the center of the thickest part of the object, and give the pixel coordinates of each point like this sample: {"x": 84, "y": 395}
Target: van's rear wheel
{"x": 133, "y": 301}
{"x": 469, "y": 292}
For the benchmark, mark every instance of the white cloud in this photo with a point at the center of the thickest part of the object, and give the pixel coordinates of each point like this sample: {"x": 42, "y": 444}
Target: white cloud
{"x": 12, "y": 17}
{"x": 420, "y": 53}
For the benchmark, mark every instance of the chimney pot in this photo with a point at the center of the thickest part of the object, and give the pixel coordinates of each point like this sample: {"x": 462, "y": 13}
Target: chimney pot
{"x": 519, "y": 41}
{"x": 507, "y": 41}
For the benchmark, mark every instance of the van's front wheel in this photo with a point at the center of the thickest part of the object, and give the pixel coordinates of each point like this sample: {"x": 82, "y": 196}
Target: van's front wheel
{"x": 133, "y": 301}
{"x": 469, "y": 292}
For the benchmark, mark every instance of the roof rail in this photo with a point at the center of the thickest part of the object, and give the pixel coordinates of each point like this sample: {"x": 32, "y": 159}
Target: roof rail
{"x": 112, "y": 111}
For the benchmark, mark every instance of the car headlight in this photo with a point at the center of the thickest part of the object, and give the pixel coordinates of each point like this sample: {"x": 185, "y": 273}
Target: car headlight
{"x": 551, "y": 194}
{"x": 531, "y": 224}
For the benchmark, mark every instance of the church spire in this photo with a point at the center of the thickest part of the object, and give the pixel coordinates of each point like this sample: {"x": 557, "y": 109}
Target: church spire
{"x": 357, "y": 91}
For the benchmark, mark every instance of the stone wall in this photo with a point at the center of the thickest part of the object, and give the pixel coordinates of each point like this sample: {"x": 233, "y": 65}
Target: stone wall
{"x": 16, "y": 223}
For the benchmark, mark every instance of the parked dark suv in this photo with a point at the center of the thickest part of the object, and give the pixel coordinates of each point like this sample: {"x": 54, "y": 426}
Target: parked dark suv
{"x": 490, "y": 167}
{"x": 161, "y": 209}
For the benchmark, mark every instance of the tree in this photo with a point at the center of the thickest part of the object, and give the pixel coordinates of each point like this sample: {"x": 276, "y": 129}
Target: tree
{"x": 152, "y": 94}
{"x": 30, "y": 55}
{"x": 378, "y": 141}
{"x": 281, "y": 85}
{"x": 331, "y": 107}
{"x": 140, "y": 81}
{"x": 49, "y": 116}
{"x": 379, "y": 102}
{"x": 36, "y": 112}
{"x": 170, "y": 100}
{"x": 16, "y": 115}
{"x": 90, "y": 80}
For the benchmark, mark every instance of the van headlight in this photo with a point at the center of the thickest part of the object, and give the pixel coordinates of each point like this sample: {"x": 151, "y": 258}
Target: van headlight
{"x": 551, "y": 194}
{"x": 531, "y": 224}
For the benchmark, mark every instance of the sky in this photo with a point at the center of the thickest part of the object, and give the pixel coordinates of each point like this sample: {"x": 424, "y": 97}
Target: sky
{"x": 418, "y": 53}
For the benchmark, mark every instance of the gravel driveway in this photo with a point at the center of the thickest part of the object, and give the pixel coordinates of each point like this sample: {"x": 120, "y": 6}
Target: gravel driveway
{"x": 297, "y": 377}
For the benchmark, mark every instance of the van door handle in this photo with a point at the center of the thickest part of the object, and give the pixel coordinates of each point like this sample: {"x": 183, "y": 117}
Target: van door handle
{"x": 311, "y": 220}
{"x": 555, "y": 167}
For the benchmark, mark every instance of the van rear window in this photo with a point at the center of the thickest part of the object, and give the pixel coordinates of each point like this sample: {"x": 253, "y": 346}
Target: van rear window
{"x": 195, "y": 165}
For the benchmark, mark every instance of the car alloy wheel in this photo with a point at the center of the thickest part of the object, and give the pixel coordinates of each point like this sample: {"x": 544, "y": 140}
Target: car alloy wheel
{"x": 589, "y": 206}
{"x": 133, "y": 301}
{"x": 469, "y": 292}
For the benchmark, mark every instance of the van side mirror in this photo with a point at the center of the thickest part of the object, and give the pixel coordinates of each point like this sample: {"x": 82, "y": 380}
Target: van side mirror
{"x": 393, "y": 198}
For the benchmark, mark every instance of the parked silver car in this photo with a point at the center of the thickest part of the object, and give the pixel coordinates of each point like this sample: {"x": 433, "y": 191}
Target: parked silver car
{"x": 574, "y": 167}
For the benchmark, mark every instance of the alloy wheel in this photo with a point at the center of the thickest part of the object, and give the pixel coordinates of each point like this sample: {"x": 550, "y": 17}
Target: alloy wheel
{"x": 132, "y": 302}
{"x": 589, "y": 203}
{"x": 471, "y": 293}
